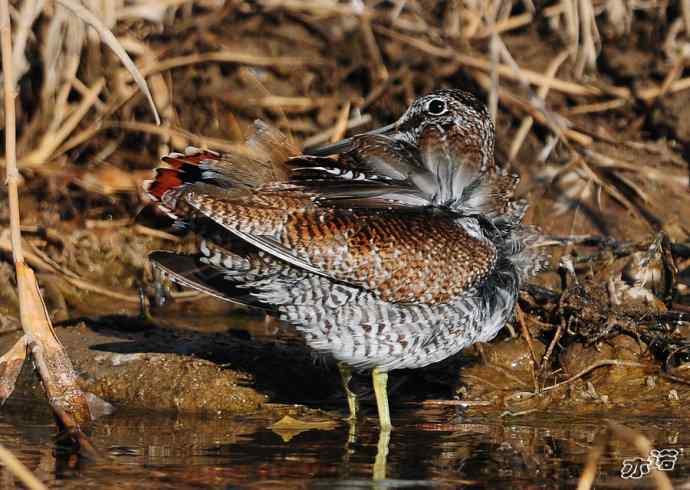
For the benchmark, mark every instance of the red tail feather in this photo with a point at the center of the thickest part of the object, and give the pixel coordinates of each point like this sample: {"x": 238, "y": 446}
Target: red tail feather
{"x": 185, "y": 168}
{"x": 166, "y": 179}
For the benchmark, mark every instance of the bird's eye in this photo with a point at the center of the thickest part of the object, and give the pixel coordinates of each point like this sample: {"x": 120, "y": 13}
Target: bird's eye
{"x": 436, "y": 107}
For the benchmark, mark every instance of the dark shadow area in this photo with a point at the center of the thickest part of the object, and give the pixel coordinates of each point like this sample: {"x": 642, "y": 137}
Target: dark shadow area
{"x": 282, "y": 367}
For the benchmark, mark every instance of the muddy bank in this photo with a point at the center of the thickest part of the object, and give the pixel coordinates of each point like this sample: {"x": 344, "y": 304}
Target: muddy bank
{"x": 134, "y": 364}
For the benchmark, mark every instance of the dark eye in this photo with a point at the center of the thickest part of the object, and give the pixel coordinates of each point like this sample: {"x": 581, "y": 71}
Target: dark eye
{"x": 436, "y": 107}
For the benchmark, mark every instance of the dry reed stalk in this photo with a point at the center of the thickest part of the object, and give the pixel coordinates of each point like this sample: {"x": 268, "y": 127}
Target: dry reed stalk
{"x": 685, "y": 9}
{"x": 515, "y": 22}
{"x": 325, "y": 136}
{"x": 512, "y": 100}
{"x": 380, "y": 72}
{"x": 587, "y": 55}
{"x": 678, "y": 181}
{"x": 21, "y": 472}
{"x": 628, "y": 436}
{"x": 584, "y": 170}
{"x": 186, "y": 137}
{"x": 228, "y": 56}
{"x": 479, "y": 63}
{"x": 54, "y": 366}
{"x": 596, "y": 107}
{"x": 534, "y": 367}
{"x": 527, "y": 121}
{"x": 340, "y": 127}
{"x": 151, "y": 10}
{"x": 556, "y": 122}
{"x": 51, "y": 141}
{"x": 594, "y": 454}
{"x": 61, "y": 51}
{"x": 61, "y": 105}
{"x": 319, "y": 7}
{"x": 505, "y": 25}
{"x": 109, "y": 38}
{"x": 596, "y": 365}
{"x": 10, "y": 366}
{"x": 654, "y": 92}
{"x": 28, "y": 13}
{"x": 493, "y": 89}
{"x": 497, "y": 51}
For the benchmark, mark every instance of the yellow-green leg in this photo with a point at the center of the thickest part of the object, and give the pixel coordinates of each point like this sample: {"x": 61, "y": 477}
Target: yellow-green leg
{"x": 346, "y": 376}
{"x": 380, "y": 380}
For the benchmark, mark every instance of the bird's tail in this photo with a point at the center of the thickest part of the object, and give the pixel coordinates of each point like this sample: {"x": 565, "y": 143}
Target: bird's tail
{"x": 260, "y": 160}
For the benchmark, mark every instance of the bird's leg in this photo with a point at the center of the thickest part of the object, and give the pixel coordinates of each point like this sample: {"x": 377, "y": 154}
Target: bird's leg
{"x": 155, "y": 294}
{"x": 380, "y": 380}
{"x": 346, "y": 376}
{"x": 161, "y": 292}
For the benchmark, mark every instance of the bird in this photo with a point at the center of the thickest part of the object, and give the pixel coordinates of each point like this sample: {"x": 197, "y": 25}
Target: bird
{"x": 394, "y": 248}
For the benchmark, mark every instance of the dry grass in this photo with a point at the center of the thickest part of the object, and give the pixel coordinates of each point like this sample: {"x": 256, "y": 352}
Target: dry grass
{"x": 81, "y": 86}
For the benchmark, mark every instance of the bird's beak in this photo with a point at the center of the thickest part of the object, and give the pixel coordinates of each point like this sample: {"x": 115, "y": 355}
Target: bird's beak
{"x": 344, "y": 145}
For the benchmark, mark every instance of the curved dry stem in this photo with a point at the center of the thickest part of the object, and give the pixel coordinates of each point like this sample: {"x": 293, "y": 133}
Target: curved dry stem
{"x": 21, "y": 472}
{"x": 53, "y": 364}
{"x": 109, "y": 38}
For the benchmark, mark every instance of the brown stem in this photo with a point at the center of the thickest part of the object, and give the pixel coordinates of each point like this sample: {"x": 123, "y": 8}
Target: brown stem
{"x": 10, "y": 131}
{"x": 54, "y": 366}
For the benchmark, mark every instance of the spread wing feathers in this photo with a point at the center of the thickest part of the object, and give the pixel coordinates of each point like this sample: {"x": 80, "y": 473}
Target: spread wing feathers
{"x": 371, "y": 157}
{"x": 260, "y": 160}
{"x": 419, "y": 257}
{"x": 324, "y": 214}
{"x": 375, "y": 172}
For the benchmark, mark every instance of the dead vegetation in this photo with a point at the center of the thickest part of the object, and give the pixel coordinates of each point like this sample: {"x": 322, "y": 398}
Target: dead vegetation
{"x": 591, "y": 101}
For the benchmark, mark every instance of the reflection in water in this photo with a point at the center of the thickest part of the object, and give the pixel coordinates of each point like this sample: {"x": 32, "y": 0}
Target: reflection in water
{"x": 382, "y": 454}
{"x": 427, "y": 447}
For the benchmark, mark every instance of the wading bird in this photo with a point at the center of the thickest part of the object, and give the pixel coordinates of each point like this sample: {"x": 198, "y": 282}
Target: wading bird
{"x": 392, "y": 249}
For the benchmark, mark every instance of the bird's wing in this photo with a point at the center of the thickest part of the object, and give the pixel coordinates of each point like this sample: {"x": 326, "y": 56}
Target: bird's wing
{"x": 375, "y": 172}
{"x": 375, "y": 231}
{"x": 401, "y": 256}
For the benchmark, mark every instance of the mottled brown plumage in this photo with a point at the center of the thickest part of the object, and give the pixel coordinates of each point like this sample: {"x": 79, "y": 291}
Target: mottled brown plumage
{"x": 395, "y": 248}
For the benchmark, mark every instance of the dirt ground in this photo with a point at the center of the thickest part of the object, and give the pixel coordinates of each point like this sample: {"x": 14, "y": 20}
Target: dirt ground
{"x": 604, "y": 164}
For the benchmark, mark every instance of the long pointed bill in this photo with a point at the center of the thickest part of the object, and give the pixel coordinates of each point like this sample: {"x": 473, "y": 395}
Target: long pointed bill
{"x": 344, "y": 145}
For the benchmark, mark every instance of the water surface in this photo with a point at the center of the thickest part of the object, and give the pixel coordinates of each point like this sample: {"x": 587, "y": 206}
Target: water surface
{"x": 435, "y": 447}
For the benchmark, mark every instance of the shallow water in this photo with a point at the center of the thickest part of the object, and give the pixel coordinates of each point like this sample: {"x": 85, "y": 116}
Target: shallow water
{"x": 429, "y": 447}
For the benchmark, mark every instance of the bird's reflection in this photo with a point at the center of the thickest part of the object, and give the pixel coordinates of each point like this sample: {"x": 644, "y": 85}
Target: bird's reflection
{"x": 381, "y": 455}
{"x": 379, "y": 467}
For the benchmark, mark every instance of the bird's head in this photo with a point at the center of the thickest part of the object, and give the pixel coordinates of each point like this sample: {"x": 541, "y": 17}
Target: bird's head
{"x": 450, "y": 121}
